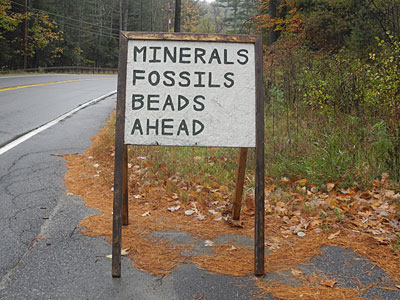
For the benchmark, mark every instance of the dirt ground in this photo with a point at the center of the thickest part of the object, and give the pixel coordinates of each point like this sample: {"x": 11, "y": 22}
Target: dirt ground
{"x": 165, "y": 230}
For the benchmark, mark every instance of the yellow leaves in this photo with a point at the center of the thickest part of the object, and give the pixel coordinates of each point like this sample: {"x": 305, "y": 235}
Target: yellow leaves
{"x": 330, "y": 186}
{"x": 302, "y": 182}
{"x": 224, "y": 189}
{"x": 332, "y": 203}
{"x": 376, "y": 204}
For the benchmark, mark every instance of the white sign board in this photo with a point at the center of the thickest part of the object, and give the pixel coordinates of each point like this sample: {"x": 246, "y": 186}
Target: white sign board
{"x": 187, "y": 93}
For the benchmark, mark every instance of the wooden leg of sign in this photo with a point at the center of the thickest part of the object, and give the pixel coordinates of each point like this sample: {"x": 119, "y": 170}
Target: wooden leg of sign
{"x": 117, "y": 211}
{"x": 259, "y": 213}
{"x": 240, "y": 171}
{"x": 120, "y": 159}
{"x": 259, "y": 191}
{"x": 125, "y": 216}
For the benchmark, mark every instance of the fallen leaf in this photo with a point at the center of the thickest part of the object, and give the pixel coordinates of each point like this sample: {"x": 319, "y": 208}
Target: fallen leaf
{"x": 200, "y": 217}
{"x": 398, "y": 286}
{"x": 234, "y": 223}
{"x": 385, "y": 176}
{"x": 174, "y": 208}
{"x": 329, "y": 283}
{"x": 381, "y": 240}
{"x": 189, "y": 212}
{"x": 330, "y": 186}
{"x": 208, "y": 243}
{"x": 124, "y": 252}
{"x": 302, "y": 182}
{"x": 233, "y": 248}
{"x": 333, "y": 203}
{"x": 223, "y": 189}
{"x": 333, "y": 235}
{"x": 296, "y": 272}
{"x": 365, "y": 195}
{"x": 146, "y": 214}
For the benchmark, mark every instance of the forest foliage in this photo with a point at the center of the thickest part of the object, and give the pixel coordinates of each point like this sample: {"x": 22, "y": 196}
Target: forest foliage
{"x": 86, "y": 32}
{"x": 332, "y": 77}
{"x": 331, "y": 68}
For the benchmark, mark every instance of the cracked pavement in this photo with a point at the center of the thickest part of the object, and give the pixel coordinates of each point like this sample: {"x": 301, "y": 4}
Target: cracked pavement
{"x": 44, "y": 256}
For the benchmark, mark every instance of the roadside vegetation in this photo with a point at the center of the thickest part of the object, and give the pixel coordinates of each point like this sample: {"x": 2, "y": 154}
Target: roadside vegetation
{"x": 332, "y": 112}
{"x": 332, "y": 105}
{"x": 332, "y": 133}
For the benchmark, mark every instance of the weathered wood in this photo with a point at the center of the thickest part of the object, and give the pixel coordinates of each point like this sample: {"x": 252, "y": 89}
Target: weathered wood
{"x": 231, "y": 38}
{"x": 119, "y": 158}
{"x": 125, "y": 195}
{"x": 240, "y": 171}
{"x": 259, "y": 190}
{"x": 120, "y": 171}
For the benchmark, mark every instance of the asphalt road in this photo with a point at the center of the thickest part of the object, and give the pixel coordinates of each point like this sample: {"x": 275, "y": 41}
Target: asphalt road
{"x": 25, "y": 108}
{"x": 42, "y": 253}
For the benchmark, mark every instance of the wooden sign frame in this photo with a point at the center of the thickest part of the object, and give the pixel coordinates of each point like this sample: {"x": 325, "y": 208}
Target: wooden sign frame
{"x": 120, "y": 204}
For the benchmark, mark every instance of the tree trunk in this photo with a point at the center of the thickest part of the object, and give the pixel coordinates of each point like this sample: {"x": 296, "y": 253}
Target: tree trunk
{"x": 177, "y": 26}
{"x": 273, "y": 35}
{"x": 123, "y": 15}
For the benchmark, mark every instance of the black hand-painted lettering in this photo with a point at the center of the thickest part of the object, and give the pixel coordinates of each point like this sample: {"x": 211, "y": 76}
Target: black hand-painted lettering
{"x": 152, "y": 127}
{"x": 137, "y": 126}
{"x": 226, "y": 61}
{"x": 214, "y": 56}
{"x": 153, "y": 99}
{"x": 185, "y": 76}
{"x": 210, "y": 81}
{"x": 197, "y": 131}
{"x": 136, "y": 51}
{"x": 199, "y": 55}
{"x": 229, "y": 82}
{"x": 183, "y": 127}
{"x": 198, "y": 106}
{"x": 155, "y": 54}
{"x": 183, "y": 55}
{"x": 182, "y": 102}
{"x": 243, "y": 54}
{"x": 136, "y": 76}
{"x": 168, "y": 102}
{"x": 137, "y": 101}
{"x": 165, "y": 126}
{"x": 199, "y": 82}
{"x": 169, "y": 75}
{"x": 154, "y": 78}
{"x": 171, "y": 56}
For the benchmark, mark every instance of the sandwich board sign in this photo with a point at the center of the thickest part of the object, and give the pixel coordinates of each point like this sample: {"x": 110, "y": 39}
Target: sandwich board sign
{"x": 177, "y": 89}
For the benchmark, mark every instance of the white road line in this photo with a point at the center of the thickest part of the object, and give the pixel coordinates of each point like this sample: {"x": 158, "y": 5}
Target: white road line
{"x": 34, "y": 132}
